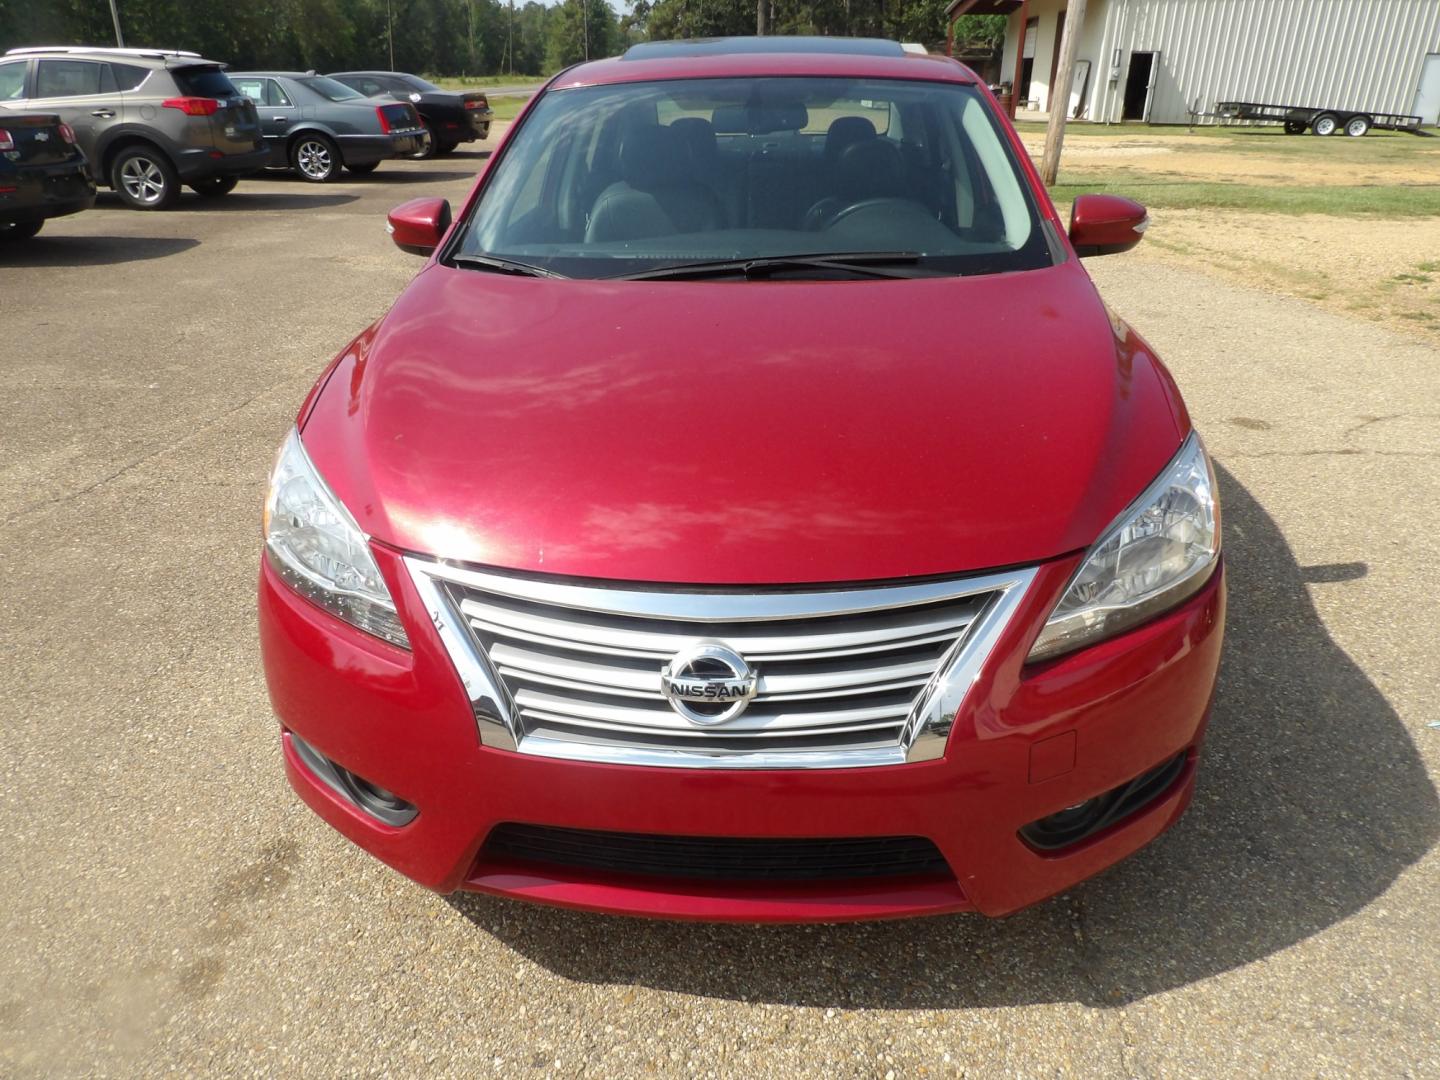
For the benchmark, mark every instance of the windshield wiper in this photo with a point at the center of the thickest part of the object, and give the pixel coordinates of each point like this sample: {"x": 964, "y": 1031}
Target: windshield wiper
{"x": 861, "y": 263}
{"x": 502, "y": 266}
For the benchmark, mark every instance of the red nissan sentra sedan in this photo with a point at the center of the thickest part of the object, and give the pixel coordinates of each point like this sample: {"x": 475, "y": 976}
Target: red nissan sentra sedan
{"x": 750, "y": 512}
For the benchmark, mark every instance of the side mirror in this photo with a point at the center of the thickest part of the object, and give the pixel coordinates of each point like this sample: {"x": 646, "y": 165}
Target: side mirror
{"x": 419, "y": 225}
{"x": 1106, "y": 224}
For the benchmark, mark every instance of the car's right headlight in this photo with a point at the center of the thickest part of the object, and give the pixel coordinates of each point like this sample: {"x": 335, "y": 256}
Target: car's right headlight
{"x": 319, "y": 551}
{"x": 1159, "y": 552}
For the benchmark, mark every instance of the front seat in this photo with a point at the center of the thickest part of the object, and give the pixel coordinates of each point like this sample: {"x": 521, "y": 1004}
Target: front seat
{"x": 844, "y": 133}
{"x": 657, "y": 194}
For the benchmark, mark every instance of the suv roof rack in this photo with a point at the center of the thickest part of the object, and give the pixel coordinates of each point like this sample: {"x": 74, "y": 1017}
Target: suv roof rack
{"x": 157, "y": 54}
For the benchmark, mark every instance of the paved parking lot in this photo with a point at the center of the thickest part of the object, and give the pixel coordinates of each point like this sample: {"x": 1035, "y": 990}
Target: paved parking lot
{"x": 167, "y": 903}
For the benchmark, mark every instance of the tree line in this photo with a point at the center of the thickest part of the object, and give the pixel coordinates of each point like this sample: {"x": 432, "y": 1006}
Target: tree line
{"x": 453, "y": 37}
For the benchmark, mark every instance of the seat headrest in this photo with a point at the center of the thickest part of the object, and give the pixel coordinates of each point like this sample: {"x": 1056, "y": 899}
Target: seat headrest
{"x": 872, "y": 169}
{"x": 698, "y": 135}
{"x": 652, "y": 157}
{"x": 846, "y": 132}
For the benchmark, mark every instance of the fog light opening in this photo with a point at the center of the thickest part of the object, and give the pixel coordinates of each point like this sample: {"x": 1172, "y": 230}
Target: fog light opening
{"x": 381, "y": 804}
{"x": 1084, "y": 819}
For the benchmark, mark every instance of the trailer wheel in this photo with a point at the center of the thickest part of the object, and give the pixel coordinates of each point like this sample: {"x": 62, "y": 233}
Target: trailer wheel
{"x": 1324, "y": 124}
{"x": 1357, "y": 126}
{"x": 1294, "y": 127}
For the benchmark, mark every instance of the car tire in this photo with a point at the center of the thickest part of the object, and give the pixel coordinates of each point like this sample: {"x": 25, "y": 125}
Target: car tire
{"x": 212, "y": 187}
{"x": 1324, "y": 124}
{"x": 1294, "y": 127}
{"x": 364, "y": 168}
{"x": 316, "y": 158}
{"x": 485, "y": 130}
{"x": 445, "y": 148}
{"x": 1357, "y": 126}
{"x": 428, "y": 146}
{"x": 20, "y": 230}
{"x": 144, "y": 178}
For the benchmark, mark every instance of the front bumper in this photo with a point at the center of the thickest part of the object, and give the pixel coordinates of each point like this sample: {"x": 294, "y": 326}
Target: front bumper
{"x": 401, "y": 720}
{"x": 45, "y": 191}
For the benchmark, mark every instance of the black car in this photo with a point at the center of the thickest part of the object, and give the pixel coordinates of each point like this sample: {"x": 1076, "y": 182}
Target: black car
{"x": 451, "y": 117}
{"x": 43, "y": 173}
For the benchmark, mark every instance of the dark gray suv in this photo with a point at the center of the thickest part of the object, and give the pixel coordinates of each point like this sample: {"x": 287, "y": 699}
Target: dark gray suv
{"x": 148, "y": 120}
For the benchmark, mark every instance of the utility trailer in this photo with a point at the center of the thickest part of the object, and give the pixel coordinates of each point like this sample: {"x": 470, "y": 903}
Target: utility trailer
{"x": 1299, "y": 119}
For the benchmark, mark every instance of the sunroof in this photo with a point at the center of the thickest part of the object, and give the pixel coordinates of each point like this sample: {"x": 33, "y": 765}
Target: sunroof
{"x": 731, "y": 46}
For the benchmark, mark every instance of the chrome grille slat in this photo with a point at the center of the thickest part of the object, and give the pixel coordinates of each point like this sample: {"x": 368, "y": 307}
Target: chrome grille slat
{"x": 755, "y": 647}
{"x": 754, "y": 719}
{"x": 551, "y": 670}
{"x": 496, "y": 630}
{"x": 699, "y": 733}
{"x": 850, "y": 676}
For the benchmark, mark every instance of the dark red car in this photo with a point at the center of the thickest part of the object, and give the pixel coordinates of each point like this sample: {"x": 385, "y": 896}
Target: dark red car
{"x": 750, "y": 512}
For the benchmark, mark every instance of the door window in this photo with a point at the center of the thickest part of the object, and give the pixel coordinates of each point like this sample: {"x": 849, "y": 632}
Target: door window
{"x": 275, "y": 95}
{"x": 73, "y": 78}
{"x": 254, "y": 89}
{"x": 128, "y": 76}
{"x": 12, "y": 80}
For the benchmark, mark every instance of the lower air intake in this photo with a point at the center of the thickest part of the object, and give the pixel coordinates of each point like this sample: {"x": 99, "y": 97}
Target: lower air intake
{"x": 718, "y": 858}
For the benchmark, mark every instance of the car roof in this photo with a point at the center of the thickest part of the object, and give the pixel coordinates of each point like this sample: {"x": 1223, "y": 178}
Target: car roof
{"x": 168, "y": 57}
{"x": 276, "y": 74}
{"x": 716, "y": 58}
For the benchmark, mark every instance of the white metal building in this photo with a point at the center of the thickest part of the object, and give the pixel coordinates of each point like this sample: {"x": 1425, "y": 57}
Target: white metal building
{"x": 1162, "y": 60}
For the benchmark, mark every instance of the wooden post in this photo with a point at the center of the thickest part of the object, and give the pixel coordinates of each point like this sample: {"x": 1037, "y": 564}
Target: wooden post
{"x": 760, "y": 17}
{"x": 1060, "y": 92}
{"x": 1019, "y": 58}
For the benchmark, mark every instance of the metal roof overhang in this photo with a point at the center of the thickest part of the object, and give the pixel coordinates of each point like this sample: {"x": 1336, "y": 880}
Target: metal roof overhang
{"x": 955, "y": 8}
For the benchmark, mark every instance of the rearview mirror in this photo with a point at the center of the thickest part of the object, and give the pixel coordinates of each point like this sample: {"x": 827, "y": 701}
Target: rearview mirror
{"x": 419, "y": 225}
{"x": 1106, "y": 224}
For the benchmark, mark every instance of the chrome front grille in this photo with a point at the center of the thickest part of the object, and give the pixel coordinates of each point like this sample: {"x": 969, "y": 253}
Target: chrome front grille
{"x": 843, "y": 677}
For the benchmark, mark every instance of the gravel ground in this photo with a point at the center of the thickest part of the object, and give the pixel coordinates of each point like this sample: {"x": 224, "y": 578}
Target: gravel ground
{"x": 169, "y": 905}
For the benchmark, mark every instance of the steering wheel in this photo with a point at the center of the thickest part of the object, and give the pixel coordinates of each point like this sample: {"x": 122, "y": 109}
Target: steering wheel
{"x": 867, "y": 204}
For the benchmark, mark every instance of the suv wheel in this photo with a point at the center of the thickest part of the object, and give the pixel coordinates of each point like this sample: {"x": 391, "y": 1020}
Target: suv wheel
{"x": 144, "y": 179}
{"x": 315, "y": 158}
{"x": 20, "y": 230}
{"x": 212, "y": 187}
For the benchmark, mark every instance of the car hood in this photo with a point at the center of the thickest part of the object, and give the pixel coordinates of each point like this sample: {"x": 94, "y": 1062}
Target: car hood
{"x": 744, "y": 433}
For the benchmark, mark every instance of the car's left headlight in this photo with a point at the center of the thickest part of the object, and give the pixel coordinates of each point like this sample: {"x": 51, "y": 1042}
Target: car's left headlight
{"x": 319, "y": 551}
{"x": 1160, "y": 551}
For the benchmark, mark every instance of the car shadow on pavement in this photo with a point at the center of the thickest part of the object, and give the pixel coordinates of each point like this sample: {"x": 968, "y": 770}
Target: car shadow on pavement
{"x": 417, "y": 176}
{"x": 242, "y": 199}
{"x": 1312, "y": 799}
{"x": 92, "y": 250}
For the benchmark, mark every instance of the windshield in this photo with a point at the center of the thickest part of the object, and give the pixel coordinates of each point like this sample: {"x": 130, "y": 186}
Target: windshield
{"x": 607, "y": 181}
{"x": 330, "y": 88}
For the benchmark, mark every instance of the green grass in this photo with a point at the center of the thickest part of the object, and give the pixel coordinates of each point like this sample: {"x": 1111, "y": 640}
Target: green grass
{"x": 506, "y": 108}
{"x": 480, "y": 82}
{"x": 1389, "y": 201}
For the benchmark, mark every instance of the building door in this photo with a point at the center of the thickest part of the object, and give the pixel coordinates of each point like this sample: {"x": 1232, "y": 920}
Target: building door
{"x": 1027, "y": 62}
{"x": 1140, "y": 85}
{"x": 1427, "y": 97}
